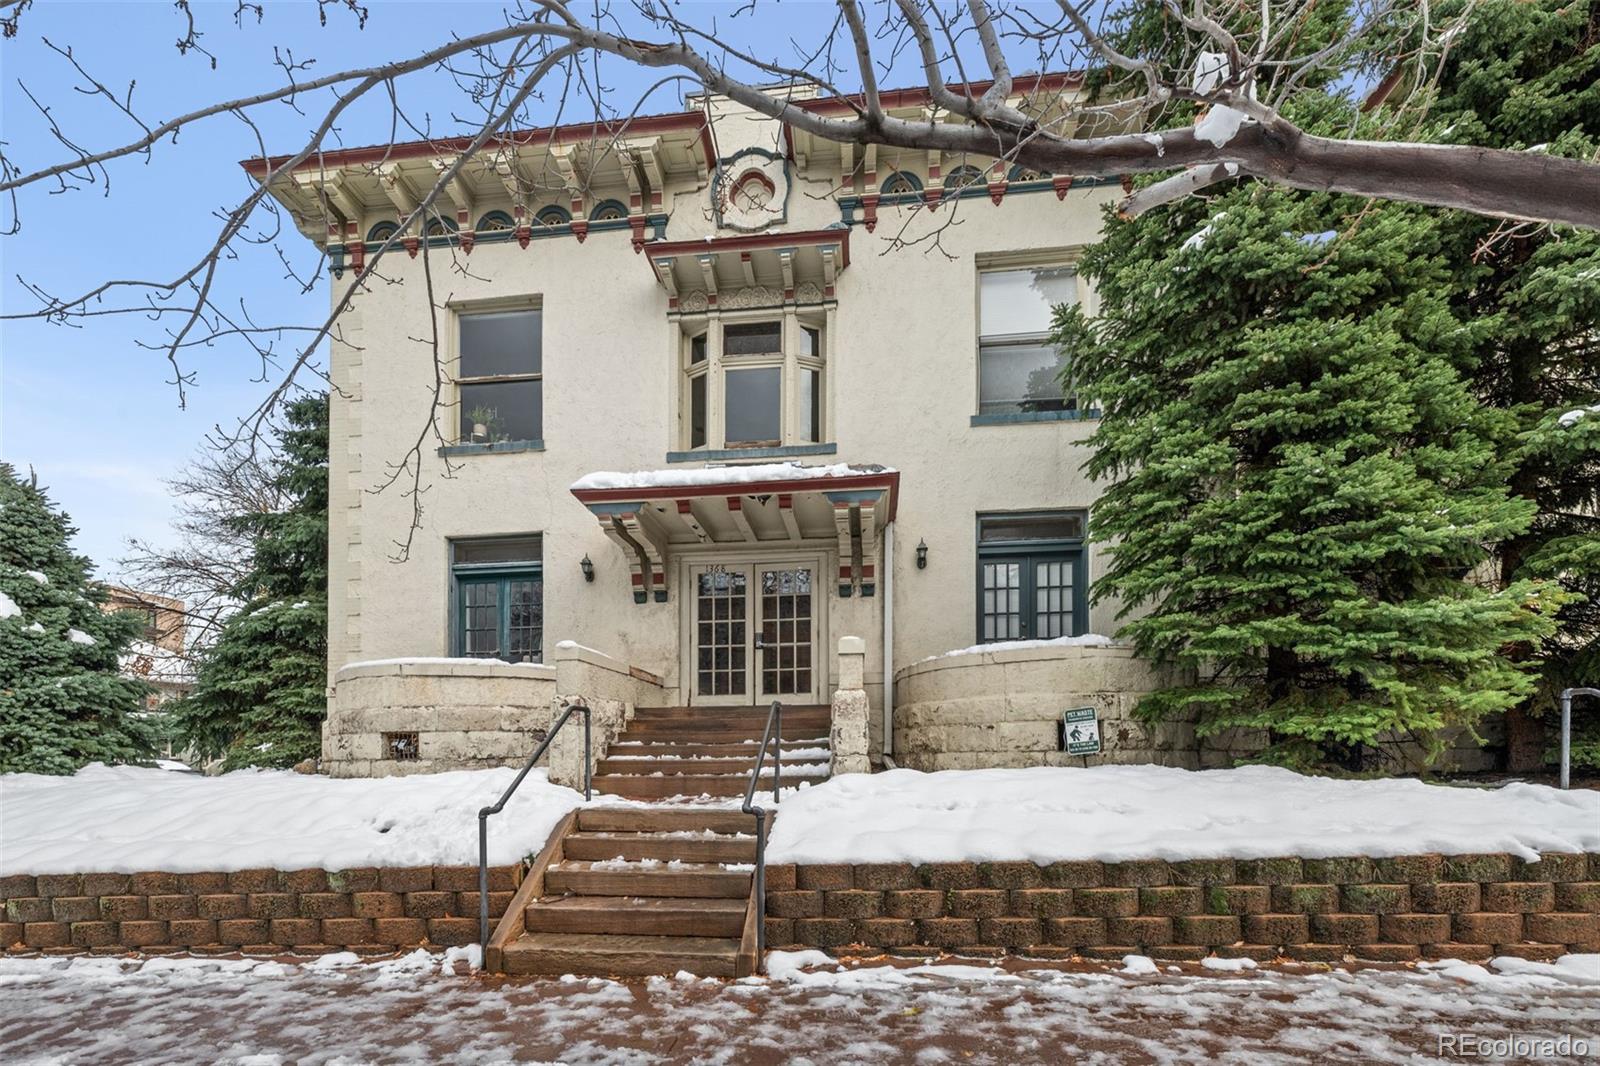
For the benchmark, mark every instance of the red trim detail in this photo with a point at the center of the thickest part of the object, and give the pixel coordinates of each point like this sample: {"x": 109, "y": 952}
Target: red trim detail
{"x": 636, "y": 223}
{"x": 735, "y": 503}
{"x": 866, "y": 572}
{"x": 785, "y": 501}
{"x": 1062, "y": 184}
{"x": 690, "y": 121}
{"x": 888, "y": 480}
{"x": 806, "y": 238}
{"x": 1127, "y": 183}
{"x": 869, "y": 211}
{"x": 524, "y": 234}
{"x": 410, "y": 245}
{"x": 467, "y": 239}
{"x": 685, "y": 507}
{"x": 580, "y": 229}
{"x": 893, "y": 98}
{"x": 997, "y": 191}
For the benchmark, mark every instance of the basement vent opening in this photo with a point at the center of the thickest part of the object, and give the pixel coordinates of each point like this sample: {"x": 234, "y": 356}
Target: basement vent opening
{"x": 401, "y": 746}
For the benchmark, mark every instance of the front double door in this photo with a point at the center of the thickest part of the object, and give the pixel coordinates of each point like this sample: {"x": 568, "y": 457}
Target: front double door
{"x": 754, "y": 633}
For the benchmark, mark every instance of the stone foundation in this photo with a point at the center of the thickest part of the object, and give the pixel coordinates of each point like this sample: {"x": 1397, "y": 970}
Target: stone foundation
{"x": 370, "y": 910}
{"x": 1003, "y": 708}
{"x": 1387, "y": 910}
{"x": 466, "y": 714}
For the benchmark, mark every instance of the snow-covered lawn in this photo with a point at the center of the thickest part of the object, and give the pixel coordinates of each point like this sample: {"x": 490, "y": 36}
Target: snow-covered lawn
{"x": 127, "y": 819}
{"x": 1127, "y": 812}
{"x": 414, "y": 1009}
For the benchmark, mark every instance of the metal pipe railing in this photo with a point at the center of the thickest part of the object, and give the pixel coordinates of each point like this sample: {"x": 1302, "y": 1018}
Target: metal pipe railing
{"x": 483, "y": 815}
{"x": 1566, "y": 730}
{"x": 773, "y": 735}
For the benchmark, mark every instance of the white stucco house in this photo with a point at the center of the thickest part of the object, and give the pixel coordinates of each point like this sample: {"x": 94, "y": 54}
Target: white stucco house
{"x": 712, "y": 395}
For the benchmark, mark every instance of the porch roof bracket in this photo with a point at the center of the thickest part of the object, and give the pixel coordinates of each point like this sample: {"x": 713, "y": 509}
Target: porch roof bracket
{"x": 847, "y": 545}
{"x": 638, "y": 563}
{"x": 652, "y": 551}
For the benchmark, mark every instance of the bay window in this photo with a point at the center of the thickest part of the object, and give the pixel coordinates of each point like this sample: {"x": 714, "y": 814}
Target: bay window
{"x": 753, "y": 382}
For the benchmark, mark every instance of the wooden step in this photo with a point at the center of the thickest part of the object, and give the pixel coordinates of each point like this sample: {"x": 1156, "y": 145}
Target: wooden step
{"x": 637, "y": 916}
{"x": 744, "y": 752}
{"x": 623, "y": 956}
{"x": 633, "y": 786}
{"x": 712, "y": 732}
{"x": 759, "y": 713}
{"x": 701, "y": 881}
{"x": 669, "y": 766}
{"x": 663, "y": 820}
{"x": 597, "y": 847}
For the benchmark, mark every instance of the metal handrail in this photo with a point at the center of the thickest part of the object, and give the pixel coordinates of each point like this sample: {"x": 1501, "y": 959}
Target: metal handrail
{"x": 1566, "y": 730}
{"x": 774, "y": 734}
{"x": 483, "y": 815}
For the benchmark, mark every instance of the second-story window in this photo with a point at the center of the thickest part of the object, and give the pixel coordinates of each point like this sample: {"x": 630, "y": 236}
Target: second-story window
{"x": 500, "y": 377}
{"x": 754, "y": 383}
{"x": 1019, "y": 368}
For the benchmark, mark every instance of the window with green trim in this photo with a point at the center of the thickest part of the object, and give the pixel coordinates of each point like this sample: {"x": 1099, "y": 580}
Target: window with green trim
{"x": 1032, "y": 576}
{"x": 500, "y": 376}
{"x": 498, "y": 598}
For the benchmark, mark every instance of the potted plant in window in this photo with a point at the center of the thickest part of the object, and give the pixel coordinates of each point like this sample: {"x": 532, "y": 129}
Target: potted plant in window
{"x": 485, "y": 425}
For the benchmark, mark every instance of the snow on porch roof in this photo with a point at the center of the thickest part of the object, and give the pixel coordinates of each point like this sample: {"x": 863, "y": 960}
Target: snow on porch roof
{"x": 757, "y": 475}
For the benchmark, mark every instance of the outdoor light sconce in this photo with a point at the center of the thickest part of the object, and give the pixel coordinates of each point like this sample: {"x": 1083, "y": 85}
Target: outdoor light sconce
{"x": 588, "y": 568}
{"x": 922, "y": 554}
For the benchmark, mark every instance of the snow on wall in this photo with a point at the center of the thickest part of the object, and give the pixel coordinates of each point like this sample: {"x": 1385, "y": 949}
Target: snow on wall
{"x": 1051, "y": 814}
{"x": 129, "y": 819}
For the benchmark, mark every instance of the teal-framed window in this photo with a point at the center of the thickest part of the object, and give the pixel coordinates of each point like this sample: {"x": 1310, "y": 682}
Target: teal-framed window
{"x": 500, "y": 376}
{"x": 497, "y": 597}
{"x": 1032, "y": 576}
{"x": 1020, "y": 369}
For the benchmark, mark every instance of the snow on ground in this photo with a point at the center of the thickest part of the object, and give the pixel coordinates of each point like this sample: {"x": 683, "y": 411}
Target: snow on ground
{"x": 126, "y": 819}
{"x": 420, "y": 1009}
{"x": 1048, "y": 814}
{"x": 1086, "y": 640}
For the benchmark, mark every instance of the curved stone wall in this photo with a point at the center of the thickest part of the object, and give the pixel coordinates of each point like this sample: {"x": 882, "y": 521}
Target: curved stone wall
{"x": 467, "y": 714}
{"x": 1002, "y": 707}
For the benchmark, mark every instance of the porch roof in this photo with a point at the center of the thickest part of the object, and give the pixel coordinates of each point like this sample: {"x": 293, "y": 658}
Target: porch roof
{"x": 652, "y": 514}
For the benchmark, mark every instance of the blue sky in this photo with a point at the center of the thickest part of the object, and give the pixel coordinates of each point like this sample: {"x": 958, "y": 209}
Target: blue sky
{"x": 93, "y": 412}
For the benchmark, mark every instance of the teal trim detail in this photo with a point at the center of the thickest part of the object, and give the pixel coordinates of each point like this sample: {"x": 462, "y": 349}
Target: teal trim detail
{"x": 553, "y": 215}
{"x": 867, "y": 589}
{"x": 850, "y": 206}
{"x": 852, "y": 495}
{"x": 844, "y": 590}
{"x": 615, "y": 508}
{"x": 609, "y": 205}
{"x": 639, "y": 596}
{"x": 1016, "y": 417}
{"x": 500, "y": 577}
{"x": 661, "y": 595}
{"x": 497, "y": 448}
{"x": 903, "y": 177}
{"x": 495, "y": 221}
{"x": 382, "y": 232}
{"x": 790, "y": 451}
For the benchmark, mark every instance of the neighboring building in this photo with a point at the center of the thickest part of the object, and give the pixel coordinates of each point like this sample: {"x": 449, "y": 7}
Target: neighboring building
{"x": 806, "y": 426}
{"x": 158, "y": 655}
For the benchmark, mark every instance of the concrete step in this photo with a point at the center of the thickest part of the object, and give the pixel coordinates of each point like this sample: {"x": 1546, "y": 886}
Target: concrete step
{"x": 637, "y": 916}
{"x": 663, "y": 820}
{"x": 598, "y": 847}
{"x": 698, "y": 880}
{"x": 623, "y": 956}
{"x": 716, "y": 733}
{"x": 632, "y": 786}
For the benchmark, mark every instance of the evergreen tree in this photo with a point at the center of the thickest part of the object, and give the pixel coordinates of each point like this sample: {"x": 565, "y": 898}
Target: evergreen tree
{"x": 1527, "y": 75}
{"x": 259, "y": 696}
{"x": 62, "y": 703}
{"x": 1302, "y": 482}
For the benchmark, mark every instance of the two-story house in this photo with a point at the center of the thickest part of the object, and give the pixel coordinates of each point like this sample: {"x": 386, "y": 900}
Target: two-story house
{"x": 695, "y": 396}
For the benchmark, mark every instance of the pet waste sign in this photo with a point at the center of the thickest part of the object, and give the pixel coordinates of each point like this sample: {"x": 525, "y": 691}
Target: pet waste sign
{"x": 1080, "y": 731}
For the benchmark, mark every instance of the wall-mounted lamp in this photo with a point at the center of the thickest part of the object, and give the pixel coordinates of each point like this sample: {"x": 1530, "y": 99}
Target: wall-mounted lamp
{"x": 922, "y": 555}
{"x": 588, "y": 569}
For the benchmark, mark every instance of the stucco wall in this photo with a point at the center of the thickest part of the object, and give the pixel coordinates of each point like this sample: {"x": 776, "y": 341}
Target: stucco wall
{"x": 900, "y": 389}
{"x": 466, "y": 714}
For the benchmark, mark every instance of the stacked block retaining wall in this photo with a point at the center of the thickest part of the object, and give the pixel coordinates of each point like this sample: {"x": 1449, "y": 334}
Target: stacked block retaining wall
{"x": 368, "y": 910}
{"x": 1389, "y": 910}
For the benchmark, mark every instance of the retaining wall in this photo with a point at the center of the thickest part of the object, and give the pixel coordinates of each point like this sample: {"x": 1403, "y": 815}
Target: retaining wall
{"x": 368, "y": 910}
{"x": 1394, "y": 910}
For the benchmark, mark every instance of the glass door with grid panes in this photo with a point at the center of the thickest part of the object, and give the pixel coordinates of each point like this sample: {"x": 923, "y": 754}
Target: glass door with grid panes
{"x": 1031, "y": 576}
{"x": 754, "y": 632}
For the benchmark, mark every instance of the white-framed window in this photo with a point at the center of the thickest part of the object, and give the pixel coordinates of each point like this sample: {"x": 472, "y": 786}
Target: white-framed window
{"x": 1019, "y": 368}
{"x": 755, "y": 381}
{"x": 500, "y": 375}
